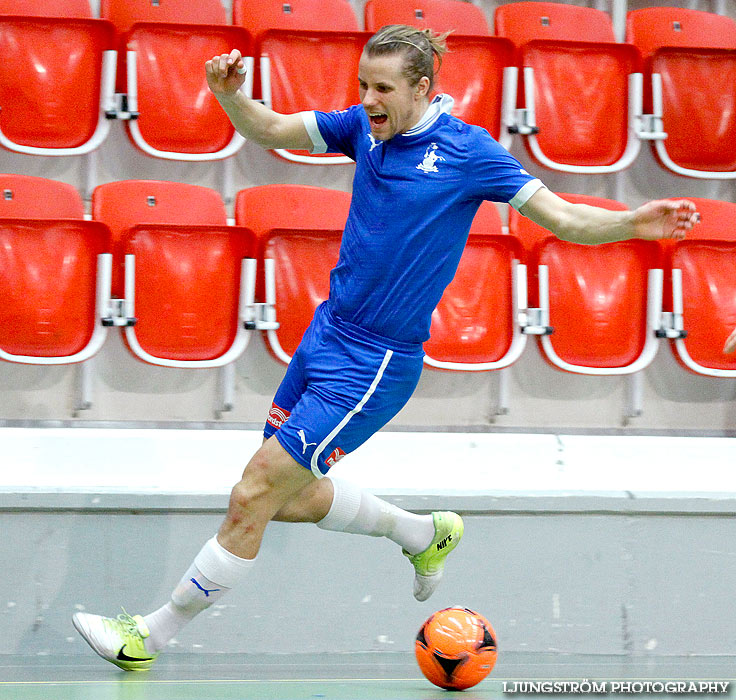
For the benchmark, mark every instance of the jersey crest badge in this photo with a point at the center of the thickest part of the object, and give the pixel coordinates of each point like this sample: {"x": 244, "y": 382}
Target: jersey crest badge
{"x": 428, "y": 164}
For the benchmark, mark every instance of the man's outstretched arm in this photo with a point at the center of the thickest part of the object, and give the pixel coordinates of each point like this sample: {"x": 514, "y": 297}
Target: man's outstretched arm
{"x": 582, "y": 223}
{"x": 251, "y": 119}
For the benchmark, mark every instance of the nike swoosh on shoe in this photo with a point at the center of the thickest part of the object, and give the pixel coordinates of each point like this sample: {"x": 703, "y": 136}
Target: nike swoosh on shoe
{"x": 122, "y": 656}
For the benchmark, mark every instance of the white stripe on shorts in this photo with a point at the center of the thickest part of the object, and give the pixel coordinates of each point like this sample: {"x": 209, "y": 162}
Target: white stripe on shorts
{"x": 358, "y": 408}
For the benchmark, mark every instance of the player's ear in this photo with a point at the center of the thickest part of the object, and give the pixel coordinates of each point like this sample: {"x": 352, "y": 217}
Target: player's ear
{"x": 422, "y": 87}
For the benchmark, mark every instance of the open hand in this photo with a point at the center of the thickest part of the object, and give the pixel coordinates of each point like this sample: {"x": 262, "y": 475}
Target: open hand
{"x": 665, "y": 218}
{"x": 225, "y": 73}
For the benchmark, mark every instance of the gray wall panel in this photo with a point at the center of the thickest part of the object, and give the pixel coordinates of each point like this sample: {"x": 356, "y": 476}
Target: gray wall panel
{"x": 570, "y": 582}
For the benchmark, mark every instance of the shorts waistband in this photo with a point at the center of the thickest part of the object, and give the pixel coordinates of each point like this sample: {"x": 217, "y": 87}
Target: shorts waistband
{"x": 359, "y": 333}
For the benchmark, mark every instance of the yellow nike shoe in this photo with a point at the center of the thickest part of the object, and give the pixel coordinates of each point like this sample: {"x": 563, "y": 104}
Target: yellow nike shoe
{"x": 121, "y": 640}
{"x": 429, "y": 565}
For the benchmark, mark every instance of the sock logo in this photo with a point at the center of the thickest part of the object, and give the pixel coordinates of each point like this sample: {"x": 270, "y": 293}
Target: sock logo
{"x": 441, "y": 545}
{"x": 204, "y": 590}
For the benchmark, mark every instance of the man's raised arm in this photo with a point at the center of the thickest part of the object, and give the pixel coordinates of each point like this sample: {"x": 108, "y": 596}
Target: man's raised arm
{"x": 225, "y": 77}
{"x": 582, "y": 223}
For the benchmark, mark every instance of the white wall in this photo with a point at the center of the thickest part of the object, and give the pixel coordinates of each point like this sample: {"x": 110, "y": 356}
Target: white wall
{"x": 540, "y": 397}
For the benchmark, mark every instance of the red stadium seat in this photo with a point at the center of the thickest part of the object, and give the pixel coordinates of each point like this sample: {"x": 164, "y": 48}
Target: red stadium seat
{"x": 125, "y": 14}
{"x": 487, "y": 219}
{"x": 46, "y": 8}
{"x": 580, "y": 94}
{"x": 57, "y": 77}
{"x": 690, "y": 63}
{"x": 191, "y": 289}
{"x": 166, "y": 47}
{"x": 478, "y": 69}
{"x": 258, "y": 16}
{"x": 703, "y": 272}
{"x": 299, "y": 228}
{"x": 290, "y": 206}
{"x": 475, "y": 325}
{"x": 54, "y": 274}
{"x": 123, "y": 204}
{"x": 478, "y": 72}
{"x": 601, "y": 303}
{"x": 38, "y": 198}
{"x": 309, "y": 53}
{"x": 439, "y": 15}
{"x": 188, "y": 293}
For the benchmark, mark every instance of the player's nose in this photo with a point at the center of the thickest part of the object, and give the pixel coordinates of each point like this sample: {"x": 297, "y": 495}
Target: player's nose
{"x": 369, "y": 98}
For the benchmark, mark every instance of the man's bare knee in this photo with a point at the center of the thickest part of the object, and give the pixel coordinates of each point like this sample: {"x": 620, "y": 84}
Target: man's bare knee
{"x": 272, "y": 476}
{"x": 310, "y": 505}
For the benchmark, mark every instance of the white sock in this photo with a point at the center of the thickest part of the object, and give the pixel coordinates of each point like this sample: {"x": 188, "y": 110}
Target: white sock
{"x": 212, "y": 574}
{"x": 357, "y": 511}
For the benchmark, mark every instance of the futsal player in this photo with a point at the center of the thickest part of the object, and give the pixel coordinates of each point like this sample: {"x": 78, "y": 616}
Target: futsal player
{"x": 420, "y": 177}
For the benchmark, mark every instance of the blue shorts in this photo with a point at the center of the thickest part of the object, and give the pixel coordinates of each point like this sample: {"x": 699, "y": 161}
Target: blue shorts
{"x": 342, "y": 385}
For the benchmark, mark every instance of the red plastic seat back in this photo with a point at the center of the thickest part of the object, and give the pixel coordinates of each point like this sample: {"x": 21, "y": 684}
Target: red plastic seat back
{"x": 46, "y": 8}
{"x": 50, "y": 79}
{"x": 303, "y": 260}
{"x": 295, "y": 84}
{"x": 297, "y": 36}
{"x": 472, "y": 73}
{"x": 291, "y": 206}
{"x": 597, "y": 294}
{"x": 581, "y": 78}
{"x": 26, "y": 196}
{"x": 653, "y": 28}
{"x": 187, "y": 287}
{"x": 700, "y": 122}
{"x": 523, "y": 22}
{"x": 582, "y": 99}
{"x": 473, "y": 322}
{"x": 438, "y": 15}
{"x": 707, "y": 258}
{"x": 172, "y": 41}
{"x": 694, "y": 53}
{"x": 257, "y": 16}
{"x": 48, "y": 273}
{"x": 487, "y": 219}
{"x": 178, "y": 112}
{"x": 125, "y": 13}
{"x": 300, "y": 228}
{"x": 123, "y": 204}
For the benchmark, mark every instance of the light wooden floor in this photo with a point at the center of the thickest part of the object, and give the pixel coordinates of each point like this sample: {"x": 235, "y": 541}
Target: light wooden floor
{"x": 395, "y": 676}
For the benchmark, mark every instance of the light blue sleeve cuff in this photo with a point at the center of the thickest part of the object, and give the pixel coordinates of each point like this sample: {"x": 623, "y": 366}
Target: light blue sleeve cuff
{"x": 524, "y": 194}
{"x": 310, "y": 124}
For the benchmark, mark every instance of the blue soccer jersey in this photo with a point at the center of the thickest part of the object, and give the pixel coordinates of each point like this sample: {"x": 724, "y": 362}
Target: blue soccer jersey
{"x": 414, "y": 199}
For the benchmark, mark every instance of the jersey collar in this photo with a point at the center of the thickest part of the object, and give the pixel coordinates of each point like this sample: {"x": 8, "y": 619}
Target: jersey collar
{"x": 441, "y": 104}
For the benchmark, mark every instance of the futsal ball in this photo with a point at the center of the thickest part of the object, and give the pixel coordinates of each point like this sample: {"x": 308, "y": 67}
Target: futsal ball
{"x": 456, "y": 648}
